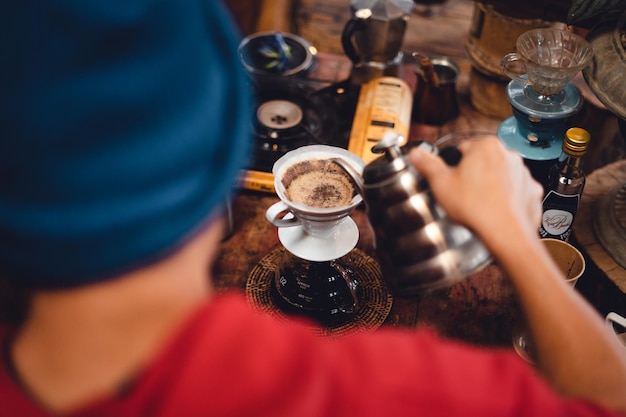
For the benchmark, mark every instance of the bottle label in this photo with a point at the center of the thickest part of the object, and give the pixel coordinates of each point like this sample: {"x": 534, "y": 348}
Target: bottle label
{"x": 559, "y": 211}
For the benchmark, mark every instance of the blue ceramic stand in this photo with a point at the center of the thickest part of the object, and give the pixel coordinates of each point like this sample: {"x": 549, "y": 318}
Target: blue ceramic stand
{"x": 538, "y": 123}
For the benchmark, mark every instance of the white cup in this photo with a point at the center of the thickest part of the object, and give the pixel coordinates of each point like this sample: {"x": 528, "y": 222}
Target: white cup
{"x": 315, "y": 221}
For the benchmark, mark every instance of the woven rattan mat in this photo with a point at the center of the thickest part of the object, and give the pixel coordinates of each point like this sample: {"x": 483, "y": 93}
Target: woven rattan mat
{"x": 375, "y": 299}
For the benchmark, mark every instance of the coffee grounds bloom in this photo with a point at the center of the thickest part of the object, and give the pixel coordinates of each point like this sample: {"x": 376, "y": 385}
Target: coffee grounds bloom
{"x": 318, "y": 183}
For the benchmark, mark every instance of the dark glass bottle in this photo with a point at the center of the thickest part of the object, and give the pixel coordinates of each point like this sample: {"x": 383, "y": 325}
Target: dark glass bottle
{"x": 566, "y": 181}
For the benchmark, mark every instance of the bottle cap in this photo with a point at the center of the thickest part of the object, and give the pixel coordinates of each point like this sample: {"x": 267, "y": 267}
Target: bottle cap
{"x": 576, "y": 141}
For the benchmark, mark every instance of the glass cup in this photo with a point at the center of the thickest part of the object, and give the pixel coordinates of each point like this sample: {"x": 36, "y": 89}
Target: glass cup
{"x": 572, "y": 263}
{"x": 547, "y": 59}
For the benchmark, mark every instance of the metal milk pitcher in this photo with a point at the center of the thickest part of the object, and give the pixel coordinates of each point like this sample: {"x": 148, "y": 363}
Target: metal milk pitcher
{"x": 419, "y": 247}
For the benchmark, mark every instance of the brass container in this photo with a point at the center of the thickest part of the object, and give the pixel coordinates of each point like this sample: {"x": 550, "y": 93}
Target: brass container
{"x": 605, "y": 73}
{"x": 492, "y": 35}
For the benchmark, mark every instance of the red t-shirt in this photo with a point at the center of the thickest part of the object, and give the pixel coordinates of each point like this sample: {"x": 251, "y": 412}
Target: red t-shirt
{"x": 228, "y": 360}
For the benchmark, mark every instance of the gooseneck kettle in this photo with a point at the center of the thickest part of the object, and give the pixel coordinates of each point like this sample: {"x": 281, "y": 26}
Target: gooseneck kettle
{"x": 420, "y": 248}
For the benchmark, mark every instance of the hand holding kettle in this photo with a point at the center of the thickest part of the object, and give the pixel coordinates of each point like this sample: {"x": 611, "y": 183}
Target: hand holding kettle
{"x": 492, "y": 192}
{"x": 419, "y": 246}
{"x": 510, "y": 202}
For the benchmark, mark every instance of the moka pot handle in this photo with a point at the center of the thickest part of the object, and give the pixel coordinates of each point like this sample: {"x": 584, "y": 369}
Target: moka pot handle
{"x": 352, "y": 26}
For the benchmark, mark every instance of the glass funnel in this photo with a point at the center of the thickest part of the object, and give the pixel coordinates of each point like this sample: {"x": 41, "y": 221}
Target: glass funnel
{"x": 547, "y": 59}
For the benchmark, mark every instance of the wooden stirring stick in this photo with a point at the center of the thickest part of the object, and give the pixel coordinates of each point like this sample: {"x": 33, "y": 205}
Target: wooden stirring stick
{"x": 428, "y": 70}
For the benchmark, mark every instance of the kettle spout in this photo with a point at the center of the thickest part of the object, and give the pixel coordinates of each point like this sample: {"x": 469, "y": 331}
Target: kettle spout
{"x": 354, "y": 175}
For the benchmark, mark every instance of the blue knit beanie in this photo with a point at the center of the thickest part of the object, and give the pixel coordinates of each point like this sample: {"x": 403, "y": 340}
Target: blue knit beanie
{"x": 122, "y": 127}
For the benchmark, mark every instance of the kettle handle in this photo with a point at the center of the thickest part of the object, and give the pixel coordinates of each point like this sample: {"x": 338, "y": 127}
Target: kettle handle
{"x": 353, "y": 25}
